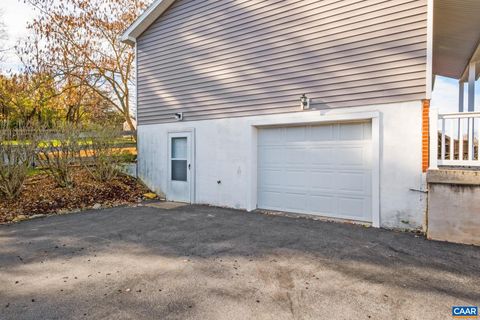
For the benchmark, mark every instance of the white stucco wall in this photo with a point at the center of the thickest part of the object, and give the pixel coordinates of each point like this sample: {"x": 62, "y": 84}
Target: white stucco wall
{"x": 225, "y": 150}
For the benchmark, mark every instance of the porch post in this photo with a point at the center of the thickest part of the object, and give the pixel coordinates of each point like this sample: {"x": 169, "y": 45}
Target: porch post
{"x": 433, "y": 139}
{"x": 461, "y": 95}
{"x": 471, "y": 87}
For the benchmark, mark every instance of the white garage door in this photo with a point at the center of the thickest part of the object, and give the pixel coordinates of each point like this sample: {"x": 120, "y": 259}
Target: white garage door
{"x": 323, "y": 170}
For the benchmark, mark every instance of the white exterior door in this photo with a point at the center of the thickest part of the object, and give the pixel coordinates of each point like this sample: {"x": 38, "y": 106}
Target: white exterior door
{"x": 322, "y": 170}
{"x": 180, "y": 167}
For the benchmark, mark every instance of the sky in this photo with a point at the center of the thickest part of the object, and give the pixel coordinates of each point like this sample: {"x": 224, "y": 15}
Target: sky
{"x": 16, "y": 15}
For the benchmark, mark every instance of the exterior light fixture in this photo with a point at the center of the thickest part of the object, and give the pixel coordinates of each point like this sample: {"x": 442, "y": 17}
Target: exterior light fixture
{"x": 179, "y": 116}
{"x": 304, "y": 102}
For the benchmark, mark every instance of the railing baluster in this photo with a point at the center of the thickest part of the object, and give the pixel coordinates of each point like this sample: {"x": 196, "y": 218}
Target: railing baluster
{"x": 442, "y": 154}
{"x": 470, "y": 139}
{"x": 452, "y": 140}
{"x": 473, "y": 140}
{"x": 460, "y": 140}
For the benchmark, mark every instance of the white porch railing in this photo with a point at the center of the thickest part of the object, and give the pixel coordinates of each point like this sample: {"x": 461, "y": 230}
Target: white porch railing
{"x": 454, "y": 139}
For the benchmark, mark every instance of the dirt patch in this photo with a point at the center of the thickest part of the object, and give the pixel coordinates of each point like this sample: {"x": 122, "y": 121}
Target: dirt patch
{"x": 41, "y": 195}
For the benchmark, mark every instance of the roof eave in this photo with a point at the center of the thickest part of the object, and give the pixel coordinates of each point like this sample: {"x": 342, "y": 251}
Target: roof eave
{"x": 475, "y": 58}
{"x": 152, "y": 13}
{"x": 128, "y": 40}
{"x": 455, "y": 36}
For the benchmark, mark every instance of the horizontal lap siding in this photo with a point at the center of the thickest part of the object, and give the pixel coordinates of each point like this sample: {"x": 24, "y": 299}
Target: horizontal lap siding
{"x": 231, "y": 58}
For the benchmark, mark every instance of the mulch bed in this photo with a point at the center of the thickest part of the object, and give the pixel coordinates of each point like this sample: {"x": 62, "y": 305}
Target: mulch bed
{"x": 41, "y": 195}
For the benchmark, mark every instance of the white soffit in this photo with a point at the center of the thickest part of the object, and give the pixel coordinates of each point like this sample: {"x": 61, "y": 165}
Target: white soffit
{"x": 456, "y": 36}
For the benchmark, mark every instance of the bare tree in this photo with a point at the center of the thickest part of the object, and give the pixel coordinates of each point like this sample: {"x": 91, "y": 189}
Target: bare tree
{"x": 103, "y": 158}
{"x": 81, "y": 43}
{"x": 3, "y": 37}
{"x": 17, "y": 149}
{"x": 58, "y": 154}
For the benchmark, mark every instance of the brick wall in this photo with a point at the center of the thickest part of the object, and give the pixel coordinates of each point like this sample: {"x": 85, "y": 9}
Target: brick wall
{"x": 425, "y": 134}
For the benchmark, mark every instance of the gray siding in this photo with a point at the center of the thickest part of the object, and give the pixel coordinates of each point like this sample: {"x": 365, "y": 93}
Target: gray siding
{"x": 215, "y": 59}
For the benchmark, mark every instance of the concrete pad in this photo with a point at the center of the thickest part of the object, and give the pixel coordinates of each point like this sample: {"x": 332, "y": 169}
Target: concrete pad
{"x": 166, "y": 205}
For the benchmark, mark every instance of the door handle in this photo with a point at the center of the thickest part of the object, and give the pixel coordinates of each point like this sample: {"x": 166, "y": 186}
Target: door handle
{"x": 189, "y": 166}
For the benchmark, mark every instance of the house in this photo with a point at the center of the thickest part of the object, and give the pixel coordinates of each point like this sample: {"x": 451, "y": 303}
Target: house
{"x": 313, "y": 107}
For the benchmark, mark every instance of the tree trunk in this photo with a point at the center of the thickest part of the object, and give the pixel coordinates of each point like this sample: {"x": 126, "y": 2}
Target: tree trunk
{"x": 131, "y": 126}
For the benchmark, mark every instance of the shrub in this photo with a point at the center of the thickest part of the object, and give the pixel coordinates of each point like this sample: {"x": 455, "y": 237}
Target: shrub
{"x": 103, "y": 156}
{"x": 58, "y": 152}
{"x": 17, "y": 150}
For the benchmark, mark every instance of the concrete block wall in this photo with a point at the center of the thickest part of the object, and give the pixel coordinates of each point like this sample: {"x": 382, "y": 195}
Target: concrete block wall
{"x": 454, "y": 206}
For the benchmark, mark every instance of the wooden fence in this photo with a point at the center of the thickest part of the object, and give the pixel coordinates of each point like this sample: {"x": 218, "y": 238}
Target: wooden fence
{"x": 124, "y": 143}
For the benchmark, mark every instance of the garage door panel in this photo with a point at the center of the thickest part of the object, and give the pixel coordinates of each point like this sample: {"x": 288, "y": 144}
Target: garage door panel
{"x": 293, "y": 201}
{"x": 283, "y": 179}
{"x": 295, "y": 155}
{"x": 295, "y": 134}
{"x": 272, "y": 136}
{"x": 270, "y": 156}
{"x": 322, "y": 180}
{"x": 356, "y": 208}
{"x": 367, "y": 131}
{"x": 354, "y": 131}
{"x": 357, "y": 182}
{"x": 321, "y": 155}
{"x": 271, "y": 199}
{"x": 322, "y": 204}
{"x": 284, "y": 200}
{"x": 270, "y": 177}
{"x": 349, "y": 156}
{"x": 323, "y": 170}
{"x": 321, "y": 133}
{"x": 367, "y": 154}
{"x": 295, "y": 178}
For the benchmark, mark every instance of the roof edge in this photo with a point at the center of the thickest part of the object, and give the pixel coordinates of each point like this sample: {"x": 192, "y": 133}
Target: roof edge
{"x": 474, "y": 58}
{"x": 152, "y": 13}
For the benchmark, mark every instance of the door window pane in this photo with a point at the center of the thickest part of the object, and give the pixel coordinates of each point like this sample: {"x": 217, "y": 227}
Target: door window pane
{"x": 179, "y": 170}
{"x": 179, "y": 148}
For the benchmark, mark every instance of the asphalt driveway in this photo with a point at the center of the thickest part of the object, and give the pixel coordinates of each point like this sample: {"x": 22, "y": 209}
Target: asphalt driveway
{"x": 198, "y": 262}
